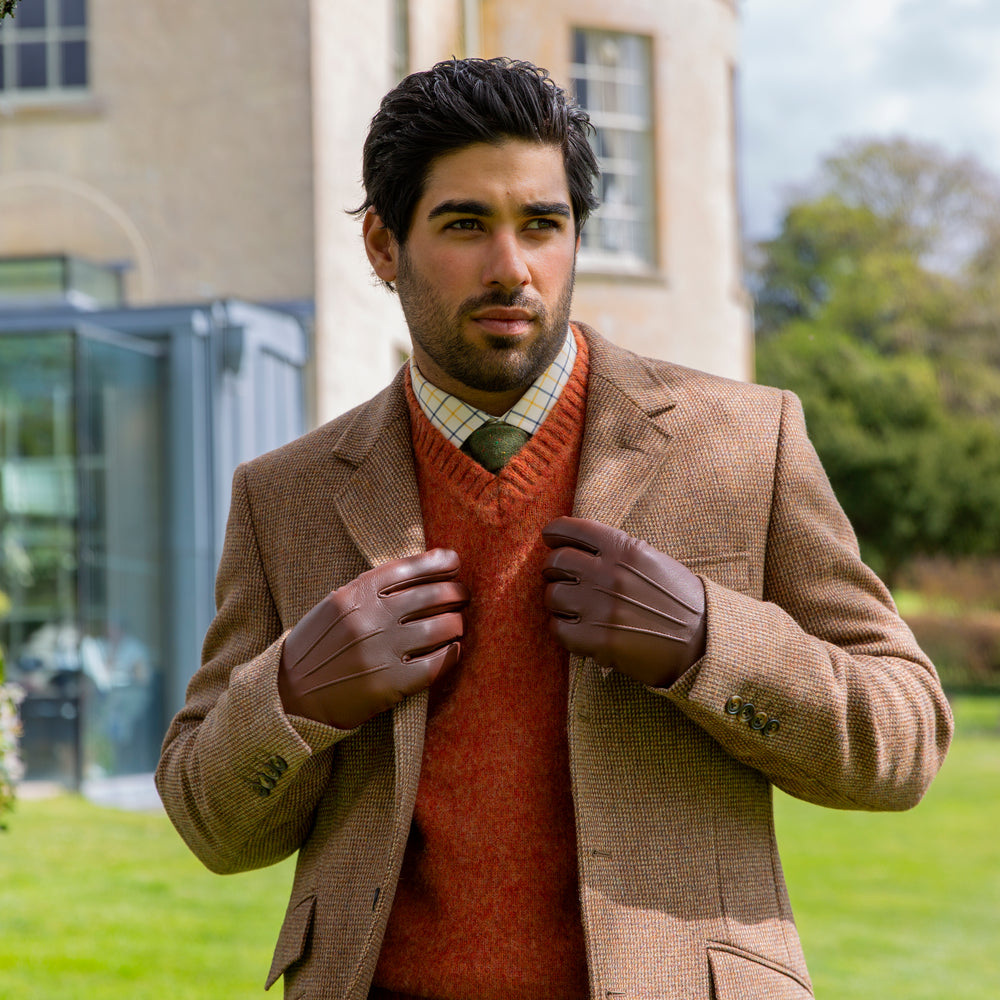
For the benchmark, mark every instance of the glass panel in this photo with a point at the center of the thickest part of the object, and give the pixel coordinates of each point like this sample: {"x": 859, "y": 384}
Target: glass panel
{"x": 72, "y": 13}
{"x": 613, "y": 83}
{"x": 38, "y": 506}
{"x": 73, "y": 64}
{"x": 32, "y": 278}
{"x": 32, "y": 65}
{"x": 100, "y": 285}
{"x": 121, "y": 571}
{"x": 31, "y": 14}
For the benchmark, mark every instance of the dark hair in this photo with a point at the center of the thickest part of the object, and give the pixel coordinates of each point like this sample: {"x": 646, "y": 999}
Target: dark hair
{"x": 464, "y": 101}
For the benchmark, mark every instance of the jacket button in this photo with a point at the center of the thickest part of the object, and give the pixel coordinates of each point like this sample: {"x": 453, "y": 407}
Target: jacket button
{"x": 262, "y": 791}
{"x": 278, "y": 763}
{"x": 759, "y": 721}
{"x": 772, "y": 727}
{"x": 734, "y": 705}
{"x": 748, "y": 711}
{"x": 266, "y": 781}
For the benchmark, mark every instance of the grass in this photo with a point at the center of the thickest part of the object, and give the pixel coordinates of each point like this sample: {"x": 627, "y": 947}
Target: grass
{"x": 905, "y": 905}
{"x": 97, "y": 904}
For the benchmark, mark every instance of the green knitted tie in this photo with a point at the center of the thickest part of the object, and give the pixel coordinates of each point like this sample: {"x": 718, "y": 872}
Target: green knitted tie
{"x": 494, "y": 444}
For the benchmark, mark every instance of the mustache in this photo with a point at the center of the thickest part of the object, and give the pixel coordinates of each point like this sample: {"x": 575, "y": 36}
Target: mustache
{"x": 515, "y": 299}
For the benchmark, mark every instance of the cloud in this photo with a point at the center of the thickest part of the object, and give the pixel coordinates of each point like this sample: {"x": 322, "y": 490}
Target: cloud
{"x": 813, "y": 74}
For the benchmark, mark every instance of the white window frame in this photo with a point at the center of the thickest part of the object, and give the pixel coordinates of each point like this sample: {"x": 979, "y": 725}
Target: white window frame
{"x": 53, "y": 35}
{"x": 621, "y": 235}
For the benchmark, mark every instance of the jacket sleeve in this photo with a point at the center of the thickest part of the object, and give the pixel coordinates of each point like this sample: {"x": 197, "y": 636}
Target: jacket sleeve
{"x": 820, "y": 686}
{"x": 239, "y": 779}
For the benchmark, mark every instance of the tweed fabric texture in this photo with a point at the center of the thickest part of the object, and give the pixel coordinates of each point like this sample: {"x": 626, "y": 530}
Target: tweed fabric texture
{"x": 679, "y": 877}
{"x": 487, "y": 904}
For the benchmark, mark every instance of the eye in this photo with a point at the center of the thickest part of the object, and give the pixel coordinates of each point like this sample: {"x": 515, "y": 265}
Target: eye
{"x": 544, "y": 223}
{"x": 465, "y": 225}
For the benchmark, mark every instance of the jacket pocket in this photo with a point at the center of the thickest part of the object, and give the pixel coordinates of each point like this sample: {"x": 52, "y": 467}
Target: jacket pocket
{"x": 741, "y": 975}
{"x": 293, "y": 940}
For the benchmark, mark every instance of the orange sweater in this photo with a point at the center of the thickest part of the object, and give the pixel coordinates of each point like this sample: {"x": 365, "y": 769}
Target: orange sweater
{"x": 487, "y": 905}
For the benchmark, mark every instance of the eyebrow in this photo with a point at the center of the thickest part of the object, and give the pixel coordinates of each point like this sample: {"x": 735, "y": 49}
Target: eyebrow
{"x": 480, "y": 208}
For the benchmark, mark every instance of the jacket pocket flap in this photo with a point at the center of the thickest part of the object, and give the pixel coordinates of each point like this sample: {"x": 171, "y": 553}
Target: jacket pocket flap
{"x": 742, "y": 975}
{"x": 293, "y": 939}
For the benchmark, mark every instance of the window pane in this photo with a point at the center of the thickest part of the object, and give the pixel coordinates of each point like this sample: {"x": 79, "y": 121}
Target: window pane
{"x": 32, "y": 65}
{"x": 72, "y": 13}
{"x": 73, "y": 57}
{"x": 31, "y": 14}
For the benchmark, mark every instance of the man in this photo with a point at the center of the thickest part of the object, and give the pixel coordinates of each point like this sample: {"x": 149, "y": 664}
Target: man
{"x": 520, "y": 714}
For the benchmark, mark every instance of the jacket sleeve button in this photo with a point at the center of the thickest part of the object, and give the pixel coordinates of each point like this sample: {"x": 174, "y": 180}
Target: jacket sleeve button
{"x": 747, "y": 712}
{"x": 759, "y": 721}
{"x": 734, "y": 705}
{"x": 772, "y": 727}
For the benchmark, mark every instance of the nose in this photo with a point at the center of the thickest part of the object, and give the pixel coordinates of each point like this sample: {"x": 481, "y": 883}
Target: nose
{"x": 506, "y": 265}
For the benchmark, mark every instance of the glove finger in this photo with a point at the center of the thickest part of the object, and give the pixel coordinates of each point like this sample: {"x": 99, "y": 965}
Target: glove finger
{"x": 563, "y": 600}
{"x": 568, "y": 564}
{"x": 423, "y": 636}
{"x": 581, "y": 533}
{"x": 426, "y": 567}
{"x": 426, "y": 599}
{"x": 419, "y": 673}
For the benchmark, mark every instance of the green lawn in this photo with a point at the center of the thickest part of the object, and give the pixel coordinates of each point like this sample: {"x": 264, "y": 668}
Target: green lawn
{"x": 905, "y": 905}
{"x": 97, "y": 904}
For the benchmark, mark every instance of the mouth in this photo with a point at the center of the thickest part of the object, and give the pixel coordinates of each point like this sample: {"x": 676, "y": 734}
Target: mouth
{"x": 503, "y": 320}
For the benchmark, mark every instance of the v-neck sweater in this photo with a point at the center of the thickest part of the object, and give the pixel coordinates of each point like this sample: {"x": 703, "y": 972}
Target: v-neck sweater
{"x": 487, "y": 904}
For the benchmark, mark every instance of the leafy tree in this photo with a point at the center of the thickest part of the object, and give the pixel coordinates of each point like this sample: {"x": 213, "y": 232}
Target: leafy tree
{"x": 879, "y": 303}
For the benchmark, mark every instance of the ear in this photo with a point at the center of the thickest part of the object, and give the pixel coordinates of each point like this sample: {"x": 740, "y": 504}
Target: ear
{"x": 380, "y": 245}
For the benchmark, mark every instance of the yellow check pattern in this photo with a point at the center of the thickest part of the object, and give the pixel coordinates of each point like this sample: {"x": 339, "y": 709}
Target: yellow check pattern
{"x": 456, "y": 420}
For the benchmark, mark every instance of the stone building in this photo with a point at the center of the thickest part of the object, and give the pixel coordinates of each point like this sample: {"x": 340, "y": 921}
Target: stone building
{"x": 159, "y": 161}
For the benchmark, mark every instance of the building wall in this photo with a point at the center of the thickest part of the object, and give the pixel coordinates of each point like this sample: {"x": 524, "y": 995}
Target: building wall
{"x": 190, "y": 156}
{"x": 690, "y": 306}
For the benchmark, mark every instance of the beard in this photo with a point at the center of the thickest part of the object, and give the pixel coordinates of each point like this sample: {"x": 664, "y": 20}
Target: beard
{"x": 506, "y": 363}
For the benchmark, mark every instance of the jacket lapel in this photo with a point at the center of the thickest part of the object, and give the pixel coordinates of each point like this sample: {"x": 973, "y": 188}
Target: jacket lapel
{"x": 626, "y": 438}
{"x": 380, "y": 504}
{"x": 380, "y": 509}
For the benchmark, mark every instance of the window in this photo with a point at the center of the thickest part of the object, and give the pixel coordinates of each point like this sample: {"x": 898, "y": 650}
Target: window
{"x": 611, "y": 77}
{"x": 43, "y": 48}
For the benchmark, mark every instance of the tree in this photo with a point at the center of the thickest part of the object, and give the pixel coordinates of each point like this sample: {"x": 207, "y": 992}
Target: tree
{"x": 878, "y": 304}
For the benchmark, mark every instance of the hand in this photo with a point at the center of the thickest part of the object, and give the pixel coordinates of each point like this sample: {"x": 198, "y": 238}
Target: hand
{"x": 617, "y": 599}
{"x": 387, "y": 634}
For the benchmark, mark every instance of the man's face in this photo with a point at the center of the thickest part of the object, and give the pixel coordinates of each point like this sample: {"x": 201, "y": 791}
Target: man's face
{"x": 485, "y": 277}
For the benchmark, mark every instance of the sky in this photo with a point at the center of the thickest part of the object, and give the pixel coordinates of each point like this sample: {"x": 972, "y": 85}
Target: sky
{"x": 814, "y": 73}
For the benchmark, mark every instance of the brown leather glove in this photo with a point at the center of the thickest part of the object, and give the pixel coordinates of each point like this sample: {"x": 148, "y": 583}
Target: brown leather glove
{"x": 617, "y": 599}
{"x": 387, "y": 634}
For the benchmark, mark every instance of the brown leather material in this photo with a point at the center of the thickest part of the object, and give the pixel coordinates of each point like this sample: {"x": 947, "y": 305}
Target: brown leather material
{"x": 387, "y": 634}
{"x": 616, "y": 599}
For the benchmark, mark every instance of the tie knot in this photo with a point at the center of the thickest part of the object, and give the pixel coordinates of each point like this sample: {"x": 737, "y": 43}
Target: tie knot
{"x": 494, "y": 444}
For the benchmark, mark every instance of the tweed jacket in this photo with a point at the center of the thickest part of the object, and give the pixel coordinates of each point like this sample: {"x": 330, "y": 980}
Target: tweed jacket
{"x": 810, "y": 681}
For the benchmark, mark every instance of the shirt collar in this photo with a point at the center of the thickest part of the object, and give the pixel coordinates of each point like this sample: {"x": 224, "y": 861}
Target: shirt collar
{"x": 456, "y": 420}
